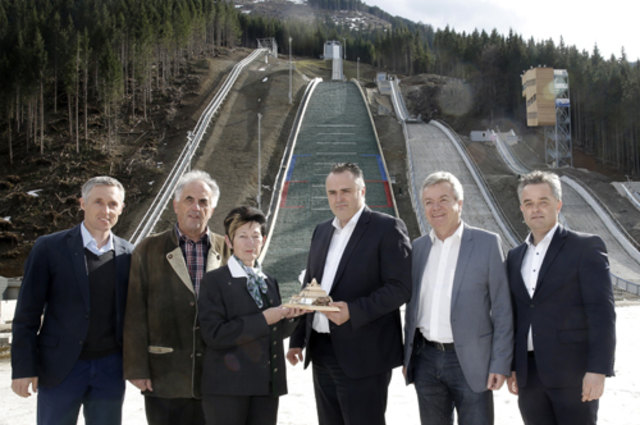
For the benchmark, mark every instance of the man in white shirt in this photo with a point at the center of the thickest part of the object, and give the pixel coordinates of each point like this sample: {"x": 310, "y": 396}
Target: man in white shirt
{"x": 564, "y": 312}
{"x": 362, "y": 260}
{"x": 458, "y": 327}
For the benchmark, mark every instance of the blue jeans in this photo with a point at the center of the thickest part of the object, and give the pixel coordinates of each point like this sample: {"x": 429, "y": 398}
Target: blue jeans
{"x": 441, "y": 386}
{"x": 96, "y": 385}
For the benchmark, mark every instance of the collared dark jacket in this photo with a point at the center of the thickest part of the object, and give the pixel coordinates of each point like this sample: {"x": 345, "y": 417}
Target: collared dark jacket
{"x": 244, "y": 355}
{"x": 572, "y": 311}
{"x": 374, "y": 278}
{"x": 162, "y": 340}
{"x": 55, "y": 289}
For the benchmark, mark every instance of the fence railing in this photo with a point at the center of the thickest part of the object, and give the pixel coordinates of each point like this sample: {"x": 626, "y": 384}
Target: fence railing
{"x": 9, "y": 287}
{"x": 183, "y": 163}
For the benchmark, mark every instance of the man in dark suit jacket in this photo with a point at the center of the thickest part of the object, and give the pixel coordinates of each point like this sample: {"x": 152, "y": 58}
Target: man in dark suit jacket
{"x": 564, "y": 312}
{"x": 362, "y": 259}
{"x": 76, "y": 280}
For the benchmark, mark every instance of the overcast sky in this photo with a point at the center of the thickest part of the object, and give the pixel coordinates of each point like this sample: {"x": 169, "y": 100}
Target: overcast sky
{"x": 610, "y": 24}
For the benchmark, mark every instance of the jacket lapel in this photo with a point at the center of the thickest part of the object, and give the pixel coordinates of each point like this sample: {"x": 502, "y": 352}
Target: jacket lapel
{"x": 357, "y": 234}
{"x": 516, "y": 272}
{"x": 420, "y": 254}
{"x": 214, "y": 258}
{"x": 554, "y": 248}
{"x": 466, "y": 247}
{"x": 419, "y": 260}
{"x": 272, "y": 292}
{"x": 324, "y": 240}
{"x": 177, "y": 263}
{"x": 79, "y": 263}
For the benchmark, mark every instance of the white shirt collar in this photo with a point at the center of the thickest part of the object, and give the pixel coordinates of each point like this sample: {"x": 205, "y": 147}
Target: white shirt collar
{"x": 456, "y": 234}
{"x": 236, "y": 270}
{"x": 352, "y": 221}
{"x": 90, "y": 243}
{"x": 547, "y": 237}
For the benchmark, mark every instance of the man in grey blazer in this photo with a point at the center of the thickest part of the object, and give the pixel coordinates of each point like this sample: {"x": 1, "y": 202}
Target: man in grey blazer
{"x": 459, "y": 325}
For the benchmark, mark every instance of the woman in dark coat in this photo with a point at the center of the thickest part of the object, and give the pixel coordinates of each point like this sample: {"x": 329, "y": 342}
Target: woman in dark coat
{"x": 243, "y": 326}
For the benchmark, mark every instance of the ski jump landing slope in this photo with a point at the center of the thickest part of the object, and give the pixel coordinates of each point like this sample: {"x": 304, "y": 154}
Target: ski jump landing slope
{"x": 336, "y": 127}
{"x": 432, "y": 150}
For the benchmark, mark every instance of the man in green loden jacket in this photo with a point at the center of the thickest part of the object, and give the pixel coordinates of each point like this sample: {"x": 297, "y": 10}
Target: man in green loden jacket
{"x": 163, "y": 347}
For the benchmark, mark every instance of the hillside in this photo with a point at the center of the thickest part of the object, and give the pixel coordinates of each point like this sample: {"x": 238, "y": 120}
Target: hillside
{"x": 140, "y": 158}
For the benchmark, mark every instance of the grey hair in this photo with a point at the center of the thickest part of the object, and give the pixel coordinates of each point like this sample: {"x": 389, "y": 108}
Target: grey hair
{"x": 445, "y": 177}
{"x": 100, "y": 181}
{"x": 202, "y": 176}
{"x": 540, "y": 177}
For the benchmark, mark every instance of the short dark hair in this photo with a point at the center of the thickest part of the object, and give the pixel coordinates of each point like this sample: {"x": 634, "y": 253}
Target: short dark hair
{"x": 351, "y": 167}
{"x": 240, "y": 216}
{"x": 541, "y": 177}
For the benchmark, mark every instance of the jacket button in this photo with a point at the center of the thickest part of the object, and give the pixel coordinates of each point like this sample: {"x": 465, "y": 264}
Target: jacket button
{"x": 275, "y": 369}
{"x": 170, "y": 256}
{"x": 531, "y": 305}
{"x": 192, "y": 303}
{"x": 275, "y": 328}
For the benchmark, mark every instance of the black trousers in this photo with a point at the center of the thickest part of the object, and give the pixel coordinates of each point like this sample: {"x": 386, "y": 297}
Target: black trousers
{"x": 540, "y": 405}
{"x": 341, "y": 400}
{"x": 240, "y": 410}
{"x": 173, "y": 411}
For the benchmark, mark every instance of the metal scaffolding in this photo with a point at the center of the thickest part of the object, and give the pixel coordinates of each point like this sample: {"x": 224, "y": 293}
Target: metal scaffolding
{"x": 557, "y": 139}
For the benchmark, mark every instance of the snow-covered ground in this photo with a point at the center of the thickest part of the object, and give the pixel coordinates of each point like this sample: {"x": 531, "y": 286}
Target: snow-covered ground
{"x": 620, "y": 404}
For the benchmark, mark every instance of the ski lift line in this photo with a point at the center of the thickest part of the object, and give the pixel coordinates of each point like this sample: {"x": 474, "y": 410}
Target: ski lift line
{"x": 153, "y": 214}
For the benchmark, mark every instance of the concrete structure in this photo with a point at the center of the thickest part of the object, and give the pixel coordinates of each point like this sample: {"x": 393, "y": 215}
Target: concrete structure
{"x": 332, "y": 50}
{"x": 546, "y": 91}
{"x": 538, "y": 90}
{"x": 482, "y": 136}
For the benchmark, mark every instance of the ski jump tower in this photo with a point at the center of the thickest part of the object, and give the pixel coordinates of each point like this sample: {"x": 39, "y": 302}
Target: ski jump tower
{"x": 333, "y": 50}
{"x": 546, "y": 91}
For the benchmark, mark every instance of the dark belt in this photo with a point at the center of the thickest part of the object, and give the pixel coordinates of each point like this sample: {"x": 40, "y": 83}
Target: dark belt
{"x": 440, "y": 346}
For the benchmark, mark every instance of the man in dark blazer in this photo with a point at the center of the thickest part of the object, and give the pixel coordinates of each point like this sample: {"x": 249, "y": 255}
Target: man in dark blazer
{"x": 459, "y": 323}
{"x": 67, "y": 329}
{"x": 362, "y": 259}
{"x": 564, "y": 312}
